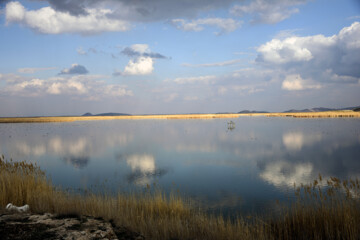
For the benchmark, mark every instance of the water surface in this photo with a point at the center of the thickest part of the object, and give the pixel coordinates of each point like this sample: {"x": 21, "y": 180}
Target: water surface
{"x": 238, "y": 170}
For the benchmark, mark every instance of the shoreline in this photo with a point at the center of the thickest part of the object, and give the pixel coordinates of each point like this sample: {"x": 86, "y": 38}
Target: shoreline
{"x": 328, "y": 114}
{"x": 331, "y": 212}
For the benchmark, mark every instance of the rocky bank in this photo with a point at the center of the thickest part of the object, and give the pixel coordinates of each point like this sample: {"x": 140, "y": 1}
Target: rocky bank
{"x": 26, "y": 226}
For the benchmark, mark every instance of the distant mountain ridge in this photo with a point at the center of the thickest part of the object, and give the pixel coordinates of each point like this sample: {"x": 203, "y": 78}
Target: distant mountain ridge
{"x": 320, "y": 109}
{"x": 316, "y": 109}
{"x": 248, "y": 111}
{"x": 105, "y": 114}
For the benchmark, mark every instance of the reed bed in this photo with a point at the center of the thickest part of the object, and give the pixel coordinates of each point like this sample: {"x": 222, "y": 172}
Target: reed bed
{"x": 131, "y": 117}
{"x": 329, "y": 114}
{"x": 326, "y": 209}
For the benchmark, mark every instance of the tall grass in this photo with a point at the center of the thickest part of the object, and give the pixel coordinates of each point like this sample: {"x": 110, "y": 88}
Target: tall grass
{"x": 323, "y": 210}
{"x": 328, "y": 114}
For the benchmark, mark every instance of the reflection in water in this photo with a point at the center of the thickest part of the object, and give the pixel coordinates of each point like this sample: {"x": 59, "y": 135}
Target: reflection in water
{"x": 196, "y": 148}
{"x": 143, "y": 163}
{"x": 75, "y": 147}
{"x": 296, "y": 140}
{"x": 26, "y": 149}
{"x": 77, "y": 162}
{"x": 256, "y": 161}
{"x": 66, "y": 147}
{"x": 142, "y": 169}
{"x": 282, "y": 173}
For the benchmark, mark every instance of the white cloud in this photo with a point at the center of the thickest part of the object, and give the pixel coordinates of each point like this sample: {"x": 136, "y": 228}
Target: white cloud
{"x": 318, "y": 58}
{"x": 293, "y": 49}
{"x": 171, "y": 97}
{"x": 140, "y": 48}
{"x": 33, "y": 70}
{"x": 139, "y": 66}
{"x": 304, "y": 49}
{"x": 295, "y": 82}
{"x": 222, "y": 90}
{"x": 224, "y": 24}
{"x": 217, "y": 64}
{"x": 49, "y": 21}
{"x": 87, "y": 87}
{"x": 267, "y": 11}
{"x": 117, "y": 91}
{"x": 201, "y": 79}
{"x": 141, "y": 62}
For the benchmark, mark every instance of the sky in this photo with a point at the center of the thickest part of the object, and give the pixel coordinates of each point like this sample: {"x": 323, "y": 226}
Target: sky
{"x": 182, "y": 56}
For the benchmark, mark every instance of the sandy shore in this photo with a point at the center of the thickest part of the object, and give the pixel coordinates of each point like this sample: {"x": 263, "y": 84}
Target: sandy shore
{"x": 330, "y": 114}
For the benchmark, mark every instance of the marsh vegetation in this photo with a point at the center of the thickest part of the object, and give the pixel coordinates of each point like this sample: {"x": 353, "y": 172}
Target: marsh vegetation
{"x": 324, "y": 209}
{"x": 327, "y": 114}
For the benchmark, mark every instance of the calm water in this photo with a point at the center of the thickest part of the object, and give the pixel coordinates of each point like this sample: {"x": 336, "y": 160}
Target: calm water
{"x": 241, "y": 170}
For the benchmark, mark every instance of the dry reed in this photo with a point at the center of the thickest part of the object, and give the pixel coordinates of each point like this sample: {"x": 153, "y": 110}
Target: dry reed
{"x": 326, "y": 212}
{"x": 329, "y": 114}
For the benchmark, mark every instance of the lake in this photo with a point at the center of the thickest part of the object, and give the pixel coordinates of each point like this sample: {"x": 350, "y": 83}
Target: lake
{"x": 243, "y": 169}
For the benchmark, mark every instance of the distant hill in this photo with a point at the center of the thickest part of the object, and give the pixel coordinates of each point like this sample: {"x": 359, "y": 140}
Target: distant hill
{"x": 317, "y": 109}
{"x": 321, "y": 109}
{"x": 106, "y": 114}
{"x": 248, "y": 111}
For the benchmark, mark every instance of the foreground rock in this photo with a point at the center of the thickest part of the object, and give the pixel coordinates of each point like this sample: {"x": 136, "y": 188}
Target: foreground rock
{"x": 26, "y": 226}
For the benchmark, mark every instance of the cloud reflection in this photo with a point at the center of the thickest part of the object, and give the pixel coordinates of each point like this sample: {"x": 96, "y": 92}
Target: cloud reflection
{"x": 77, "y": 162}
{"x": 76, "y": 151}
{"x": 294, "y": 141}
{"x": 143, "y": 169}
{"x": 283, "y": 173}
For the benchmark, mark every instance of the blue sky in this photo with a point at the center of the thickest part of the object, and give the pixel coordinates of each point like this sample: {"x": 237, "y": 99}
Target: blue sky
{"x": 160, "y": 56}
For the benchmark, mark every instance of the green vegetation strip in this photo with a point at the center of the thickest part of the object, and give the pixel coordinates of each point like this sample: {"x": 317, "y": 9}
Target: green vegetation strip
{"x": 325, "y": 209}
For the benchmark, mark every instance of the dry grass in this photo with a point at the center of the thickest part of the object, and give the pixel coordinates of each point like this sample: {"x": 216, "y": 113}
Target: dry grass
{"x": 329, "y": 114}
{"x": 332, "y": 213}
{"x": 134, "y": 117}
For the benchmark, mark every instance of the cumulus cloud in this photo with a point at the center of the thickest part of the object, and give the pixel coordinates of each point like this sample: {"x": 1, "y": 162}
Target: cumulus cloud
{"x": 292, "y": 49}
{"x": 85, "y": 87}
{"x": 224, "y": 24}
{"x": 267, "y": 11}
{"x": 315, "y": 57}
{"x": 141, "y": 62}
{"x": 294, "y": 82}
{"x": 33, "y": 70}
{"x": 217, "y": 64}
{"x": 92, "y": 17}
{"x": 49, "y": 21}
{"x": 139, "y": 66}
{"x": 201, "y": 79}
{"x": 75, "y": 69}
